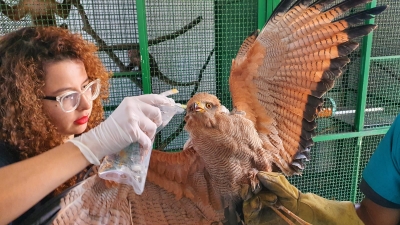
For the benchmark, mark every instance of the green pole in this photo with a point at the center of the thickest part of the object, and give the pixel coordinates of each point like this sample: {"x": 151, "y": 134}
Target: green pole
{"x": 339, "y": 136}
{"x": 363, "y": 84}
{"x": 262, "y": 13}
{"x": 362, "y": 101}
{"x": 271, "y": 5}
{"x": 275, "y": 3}
{"x": 143, "y": 43}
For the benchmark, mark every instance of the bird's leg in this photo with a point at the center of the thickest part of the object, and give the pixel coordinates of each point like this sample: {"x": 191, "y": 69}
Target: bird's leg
{"x": 276, "y": 207}
{"x": 279, "y": 209}
{"x": 254, "y": 182}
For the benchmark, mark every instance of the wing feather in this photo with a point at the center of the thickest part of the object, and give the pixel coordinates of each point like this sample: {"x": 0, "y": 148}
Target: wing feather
{"x": 281, "y": 75}
{"x": 177, "y": 191}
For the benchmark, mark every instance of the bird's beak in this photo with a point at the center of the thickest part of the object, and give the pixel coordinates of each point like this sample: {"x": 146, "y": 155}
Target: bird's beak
{"x": 198, "y": 107}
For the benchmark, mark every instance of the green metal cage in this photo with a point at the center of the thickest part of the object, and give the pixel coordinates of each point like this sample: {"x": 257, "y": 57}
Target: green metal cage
{"x": 152, "y": 46}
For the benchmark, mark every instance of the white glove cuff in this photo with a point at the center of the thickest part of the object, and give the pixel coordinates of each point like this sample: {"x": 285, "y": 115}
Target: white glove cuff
{"x": 86, "y": 152}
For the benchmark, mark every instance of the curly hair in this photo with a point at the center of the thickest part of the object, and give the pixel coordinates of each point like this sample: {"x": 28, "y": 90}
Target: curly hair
{"x": 23, "y": 54}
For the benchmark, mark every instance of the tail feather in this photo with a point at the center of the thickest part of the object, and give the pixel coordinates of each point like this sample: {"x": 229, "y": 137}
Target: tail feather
{"x": 346, "y": 5}
{"x": 321, "y": 3}
{"x": 360, "y": 30}
{"x": 363, "y": 15}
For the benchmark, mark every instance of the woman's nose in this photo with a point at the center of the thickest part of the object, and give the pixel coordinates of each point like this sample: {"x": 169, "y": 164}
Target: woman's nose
{"x": 85, "y": 103}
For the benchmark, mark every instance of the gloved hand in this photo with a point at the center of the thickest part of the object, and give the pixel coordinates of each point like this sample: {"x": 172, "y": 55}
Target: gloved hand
{"x": 310, "y": 207}
{"x": 134, "y": 120}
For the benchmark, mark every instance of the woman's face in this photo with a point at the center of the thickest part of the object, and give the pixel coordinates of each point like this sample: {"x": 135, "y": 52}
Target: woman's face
{"x": 61, "y": 77}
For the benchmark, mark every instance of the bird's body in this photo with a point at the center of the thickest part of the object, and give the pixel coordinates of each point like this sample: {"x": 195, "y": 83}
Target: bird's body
{"x": 228, "y": 143}
{"x": 277, "y": 82}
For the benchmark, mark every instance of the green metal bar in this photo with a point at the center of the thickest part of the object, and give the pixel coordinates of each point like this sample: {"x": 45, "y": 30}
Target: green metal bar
{"x": 143, "y": 43}
{"x": 271, "y": 5}
{"x": 356, "y": 171}
{"x": 270, "y": 9}
{"x": 124, "y": 74}
{"x": 386, "y": 57}
{"x": 262, "y": 13}
{"x": 363, "y": 133}
{"x": 275, "y": 3}
{"x": 363, "y": 84}
{"x": 362, "y": 102}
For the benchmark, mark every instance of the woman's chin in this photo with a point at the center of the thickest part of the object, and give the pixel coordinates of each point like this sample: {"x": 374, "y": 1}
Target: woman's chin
{"x": 76, "y": 130}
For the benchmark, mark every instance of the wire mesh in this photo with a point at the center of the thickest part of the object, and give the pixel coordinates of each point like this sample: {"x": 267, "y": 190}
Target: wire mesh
{"x": 368, "y": 147}
{"x": 386, "y": 40}
{"x": 185, "y": 61}
{"x": 191, "y": 45}
{"x": 330, "y": 171}
{"x": 384, "y": 78}
{"x": 383, "y": 92}
{"x": 199, "y": 59}
{"x": 343, "y": 97}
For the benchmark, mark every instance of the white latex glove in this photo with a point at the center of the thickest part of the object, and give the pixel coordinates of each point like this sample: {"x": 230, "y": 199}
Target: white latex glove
{"x": 134, "y": 120}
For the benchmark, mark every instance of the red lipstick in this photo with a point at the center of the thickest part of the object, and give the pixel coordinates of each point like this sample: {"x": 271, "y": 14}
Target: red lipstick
{"x": 82, "y": 120}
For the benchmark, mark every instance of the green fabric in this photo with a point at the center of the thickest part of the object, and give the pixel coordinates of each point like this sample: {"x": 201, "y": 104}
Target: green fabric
{"x": 310, "y": 207}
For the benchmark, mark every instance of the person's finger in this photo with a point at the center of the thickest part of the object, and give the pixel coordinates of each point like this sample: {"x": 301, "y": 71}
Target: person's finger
{"x": 154, "y": 99}
{"x": 151, "y": 112}
{"x": 267, "y": 198}
{"x": 144, "y": 141}
{"x": 278, "y": 184}
{"x": 148, "y": 127}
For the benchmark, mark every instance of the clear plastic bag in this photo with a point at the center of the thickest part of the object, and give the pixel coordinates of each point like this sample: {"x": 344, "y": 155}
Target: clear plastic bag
{"x": 130, "y": 166}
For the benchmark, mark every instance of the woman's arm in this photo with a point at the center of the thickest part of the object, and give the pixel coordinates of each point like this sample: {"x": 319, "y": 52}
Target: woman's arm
{"x": 373, "y": 214}
{"x": 25, "y": 183}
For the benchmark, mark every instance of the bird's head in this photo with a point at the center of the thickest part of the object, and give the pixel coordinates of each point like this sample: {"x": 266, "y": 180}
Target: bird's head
{"x": 202, "y": 107}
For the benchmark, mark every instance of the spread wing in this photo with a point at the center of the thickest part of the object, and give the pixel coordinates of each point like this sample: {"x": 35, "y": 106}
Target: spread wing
{"x": 177, "y": 191}
{"x": 280, "y": 74}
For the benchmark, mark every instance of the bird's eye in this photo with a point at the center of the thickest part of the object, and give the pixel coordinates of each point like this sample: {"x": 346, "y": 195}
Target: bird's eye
{"x": 208, "y": 105}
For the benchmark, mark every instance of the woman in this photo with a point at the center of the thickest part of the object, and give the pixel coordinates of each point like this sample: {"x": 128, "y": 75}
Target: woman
{"x": 51, "y": 88}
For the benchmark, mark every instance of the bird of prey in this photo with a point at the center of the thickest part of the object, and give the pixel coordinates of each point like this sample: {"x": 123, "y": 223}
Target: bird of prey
{"x": 277, "y": 81}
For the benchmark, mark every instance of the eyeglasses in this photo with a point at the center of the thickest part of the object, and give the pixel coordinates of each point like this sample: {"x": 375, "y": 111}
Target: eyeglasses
{"x": 70, "y": 100}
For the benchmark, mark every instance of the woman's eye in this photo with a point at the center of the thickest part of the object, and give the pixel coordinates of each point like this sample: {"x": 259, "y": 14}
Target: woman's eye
{"x": 208, "y": 105}
{"x": 70, "y": 96}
